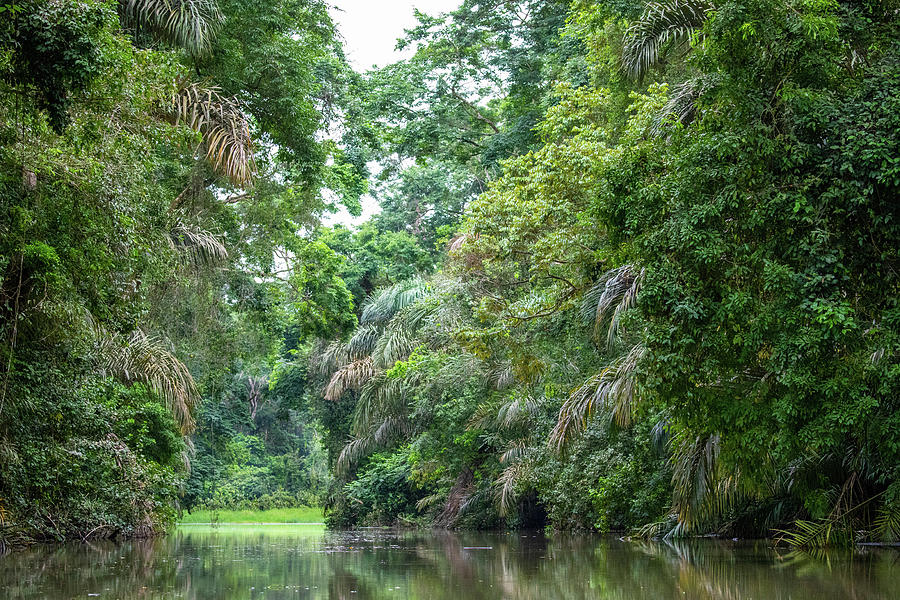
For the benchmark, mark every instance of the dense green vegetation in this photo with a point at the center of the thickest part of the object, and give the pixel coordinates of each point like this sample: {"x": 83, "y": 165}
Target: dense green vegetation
{"x": 157, "y": 182}
{"x": 272, "y": 515}
{"x": 671, "y": 301}
{"x": 636, "y": 267}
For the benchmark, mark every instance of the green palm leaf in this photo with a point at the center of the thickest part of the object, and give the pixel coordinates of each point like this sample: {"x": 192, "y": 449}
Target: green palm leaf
{"x": 508, "y": 482}
{"x": 387, "y": 302}
{"x": 612, "y": 389}
{"x": 613, "y": 294}
{"x": 363, "y": 341}
{"x": 702, "y": 489}
{"x": 664, "y": 24}
{"x": 328, "y": 358}
{"x": 190, "y": 24}
{"x": 140, "y": 358}
{"x": 353, "y": 451}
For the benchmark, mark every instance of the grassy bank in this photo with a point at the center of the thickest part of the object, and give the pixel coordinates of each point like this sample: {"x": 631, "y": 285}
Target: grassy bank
{"x": 303, "y": 514}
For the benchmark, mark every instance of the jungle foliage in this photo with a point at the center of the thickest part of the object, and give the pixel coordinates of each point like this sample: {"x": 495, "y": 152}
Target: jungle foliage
{"x": 636, "y": 267}
{"x": 670, "y": 304}
{"x": 153, "y": 214}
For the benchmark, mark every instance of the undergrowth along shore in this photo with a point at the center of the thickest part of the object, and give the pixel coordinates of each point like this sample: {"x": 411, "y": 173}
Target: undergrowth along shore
{"x": 303, "y": 514}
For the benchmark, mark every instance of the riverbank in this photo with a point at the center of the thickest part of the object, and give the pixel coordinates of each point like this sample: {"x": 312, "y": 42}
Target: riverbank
{"x": 303, "y": 514}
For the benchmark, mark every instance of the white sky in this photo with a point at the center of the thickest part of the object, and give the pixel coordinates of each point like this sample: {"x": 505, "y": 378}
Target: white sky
{"x": 370, "y": 29}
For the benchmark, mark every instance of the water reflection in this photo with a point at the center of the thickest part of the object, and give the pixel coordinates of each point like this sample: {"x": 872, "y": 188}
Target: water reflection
{"x": 279, "y": 561}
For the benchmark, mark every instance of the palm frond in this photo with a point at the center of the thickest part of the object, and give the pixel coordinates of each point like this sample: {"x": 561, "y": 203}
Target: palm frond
{"x": 418, "y": 312}
{"x": 702, "y": 490}
{"x": 656, "y": 529}
{"x": 516, "y": 450}
{"x": 380, "y": 399}
{"x": 887, "y": 524}
{"x": 224, "y": 127}
{"x": 378, "y": 419}
{"x": 429, "y": 501}
{"x": 815, "y": 534}
{"x": 351, "y": 376}
{"x": 501, "y": 375}
{"x": 190, "y": 24}
{"x": 328, "y": 357}
{"x": 387, "y": 302}
{"x": 848, "y": 520}
{"x": 516, "y": 412}
{"x": 390, "y": 429}
{"x": 612, "y": 389}
{"x": 201, "y": 247}
{"x": 140, "y": 358}
{"x": 660, "y": 436}
{"x": 665, "y": 23}
{"x": 363, "y": 341}
{"x": 483, "y": 416}
{"x": 396, "y": 343}
{"x": 681, "y": 106}
{"x": 455, "y": 371}
{"x": 504, "y": 414}
{"x": 352, "y": 452}
{"x": 609, "y": 298}
{"x": 508, "y": 482}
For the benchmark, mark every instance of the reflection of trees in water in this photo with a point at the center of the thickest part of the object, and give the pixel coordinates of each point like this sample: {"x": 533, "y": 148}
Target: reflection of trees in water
{"x": 375, "y": 564}
{"x": 721, "y": 570}
{"x": 576, "y": 567}
{"x": 70, "y": 570}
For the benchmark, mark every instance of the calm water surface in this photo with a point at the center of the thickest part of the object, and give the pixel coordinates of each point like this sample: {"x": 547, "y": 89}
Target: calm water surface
{"x": 289, "y": 561}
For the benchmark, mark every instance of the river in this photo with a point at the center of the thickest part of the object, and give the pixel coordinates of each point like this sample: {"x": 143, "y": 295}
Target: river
{"x": 295, "y": 561}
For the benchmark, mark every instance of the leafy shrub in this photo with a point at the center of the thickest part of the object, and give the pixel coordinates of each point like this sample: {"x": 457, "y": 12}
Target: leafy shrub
{"x": 382, "y": 494}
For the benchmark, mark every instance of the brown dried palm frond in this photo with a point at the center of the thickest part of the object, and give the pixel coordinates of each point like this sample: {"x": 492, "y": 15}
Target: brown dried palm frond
{"x": 326, "y": 358}
{"x": 139, "y": 358}
{"x": 457, "y": 242}
{"x": 224, "y": 127}
{"x": 190, "y": 24}
{"x": 351, "y": 376}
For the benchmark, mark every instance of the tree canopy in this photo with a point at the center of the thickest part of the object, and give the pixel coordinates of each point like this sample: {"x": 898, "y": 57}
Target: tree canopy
{"x": 635, "y": 267}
